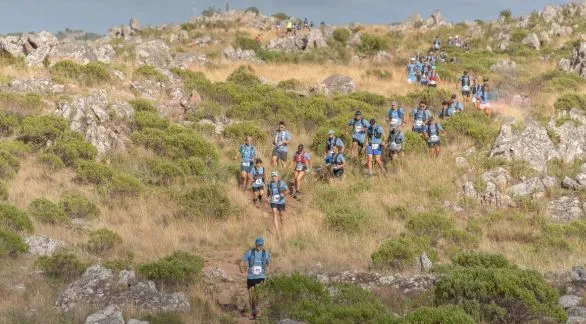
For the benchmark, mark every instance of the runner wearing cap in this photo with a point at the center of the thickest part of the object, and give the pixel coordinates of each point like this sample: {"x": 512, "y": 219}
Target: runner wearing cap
{"x": 276, "y": 191}
{"x": 376, "y": 138}
{"x": 256, "y": 260}
{"x": 358, "y": 126}
{"x": 330, "y": 143}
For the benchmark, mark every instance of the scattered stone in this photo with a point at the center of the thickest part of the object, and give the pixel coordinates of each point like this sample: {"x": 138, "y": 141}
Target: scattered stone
{"x": 532, "y": 40}
{"x": 127, "y": 278}
{"x": 241, "y": 55}
{"x": 499, "y": 176}
{"x": 134, "y": 321}
{"x": 36, "y": 85}
{"x": 529, "y": 187}
{"x": 111, "y": 315}
{"x": 568, "y": 301}
{"x": 569, "y": 183}
{"x": 215, "y": 274}
{"x": 505, "y": 67}
{"x": 337, "y": 84}
{"x": 119, "y": 75}
{"x": 81, "y": 52}
{"x": 43, "y": 245}
{"x": 189, "y": 60}
{"x": 18, "y": 288}
{"x": 581, "y": 179}
{"x": 154, "y": 52}
{"x": 382, "y": 57}
{"x": 565, "y": 209}
{"x": 134, "y": 24}
{"x": 425, "y": 262}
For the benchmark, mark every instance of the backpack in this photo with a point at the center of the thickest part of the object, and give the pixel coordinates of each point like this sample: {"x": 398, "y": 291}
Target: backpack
{"x": 330, "y": 144}
{"x": 465, "y": 80}
{"x": 373, "y": 131}
{"x": 253, "y": 257}
{"x": 257, "y": 175}
{"x": 301, "y": 160}
{"x": 443, "y": 113}
{"x": 428, "y": 129}
{"x": 335, "y": 160}
{"x": 269, "y": 187}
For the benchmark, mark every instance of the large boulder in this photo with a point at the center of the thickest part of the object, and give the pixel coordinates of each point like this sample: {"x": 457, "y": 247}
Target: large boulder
{"x": 82, "y": 52}
{"x": 111, "y": 315}
{"x": 575, "y": 63}
{"x": 98, "y": 287}
{"x": 154, "y": 52}
{"x": 571, "y": 135}
{"x": 134, "y": 24}
{"x": 189, "y": 60}
{"x": 43, "y": 245}
{"x": 36, "y": 85}
{"x": 565, "y": 209}
{"x": 533, "y": 187}
{"x": 97, "y": 117}
{"x": 337, "y": 84}
{"x": 532, "y": 145}
{"x": 239, "y": 54}
{"x": 532, "y": 40}
{"x": 504, "y": 67}
{"x": 550, "y": 13}
{"x": 13, "y": 46}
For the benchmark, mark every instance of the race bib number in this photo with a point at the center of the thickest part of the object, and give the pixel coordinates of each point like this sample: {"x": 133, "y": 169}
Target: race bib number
{"x": 358, "y": 129}
{"x": 434, "y": 138}
{"x": 473, "y": 99}
{"x": 395, "y": 121}
{"x": 257, "y": 270}
{"x": 276, "y": 198}
{"x": 433, "y": 82}
{"x": 245, "y": 164}
{"x": 375, "y": 146}
{"x": 419, "y": 123}
{"x": 258, "y": 181}
{"x": 466, "y": 88}
{"x": 299, "y": 167}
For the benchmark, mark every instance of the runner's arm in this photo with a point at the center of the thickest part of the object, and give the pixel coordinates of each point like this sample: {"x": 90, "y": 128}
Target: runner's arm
{"x": 242, "y": 265}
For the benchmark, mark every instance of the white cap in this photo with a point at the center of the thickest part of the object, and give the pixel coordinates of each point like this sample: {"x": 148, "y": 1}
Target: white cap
{"x": 274, "y": 174}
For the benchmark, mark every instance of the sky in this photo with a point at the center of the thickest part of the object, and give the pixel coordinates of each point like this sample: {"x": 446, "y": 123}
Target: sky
{"x": 99, "y": 15}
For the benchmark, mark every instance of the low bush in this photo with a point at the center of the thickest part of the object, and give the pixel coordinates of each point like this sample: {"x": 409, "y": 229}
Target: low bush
{"x": 51, "y": 162}
{"x": 240, "y": 131}
{"x": 341, "y": 35}
{"x": 475, "y": 125}
{"x": 149, "y": 72}
{"x": 290, "y": 84}
{"x": 178, "y": 267}
{"x": 118, "y": 265}
{"x": 142, "y": 105}
{"x": 103, "y": 240}
{"x": 244, "y": 76}
{"x": 16, "y": 148}
{"x": 62, "y": 266}
{"x": 372, "y": 43}
{"x": 380, "y": 74}
{"x": 162, "y": 171}
{"x": 8, "y": 124}
{"x": 399, "y": 253}
{"x": 14, "y": 219}
{"x": 480, "y": 259}
{"x": 164, "y": 318}
{"x": 559, "y": 81}
{"x": 90, "y": 172}
{"x": 148, "y": 119}
{"x": 76, "y": 205}
{"x": 71, "y": 146}
{"x": 570, "y": 100}
{"x": 11, "y": 244}
{"x": 253, "y": 10}
{"x": 369, "y": 98}
{"x": 349, "y": 219}
{"x": 9, "y": 165}
{"x": 305, "y": 299}
{"x": 123, "y": 186}
{"x": 90, "y": 74}
{"x": 46, "y": 211}
{"x": 3, "y": 191}
{"x": 246, "y": 43}
{"x": 432, "y": 225}
{"x": 20, "y": 104}
{"x": 414, "y": 143}
{"x": 442, "y": 314}
{"x": 38, "y": 130}
{"x": 196, "y": 203}
{"x": 522, "y": 169}
{"x": 491, "y": 292}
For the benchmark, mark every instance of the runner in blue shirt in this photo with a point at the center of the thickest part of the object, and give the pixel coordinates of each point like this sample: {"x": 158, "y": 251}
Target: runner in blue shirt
{"x": 281, "y": 140}
{"x": 376, "y": 139}
{"x": 395, "y": 115}
{"x": 395, "y": 142}
{"x": 485, "y": 97}
{"x": 302, "y": 165}
{"x": 437, "y": 43}
{"x": 455, "y": 106}
{"x": 358, "y": 126}
{"x": 330, "y": 143}
{"x": 258, "y": 175}
{"x": 247, "y": 154}
{"x": 433, "y": 132}
{"x": 411, "y": 72}
{"x": 464, "y": 85}
{"x": 256, "y": 263}
{"x": 420, "y": 116}
{"x": 338, "y": 162}
{"x": 276, "y": 191}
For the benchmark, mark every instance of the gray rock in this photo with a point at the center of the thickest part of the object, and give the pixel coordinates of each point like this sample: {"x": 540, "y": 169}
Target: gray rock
{"x": 505, "y": 67}
{"x": 241, "y": 55}
{"x": 568, "y": 301}
{"x": 425, "y": 263}
{"x": 42, "y": 38}
{"x": 504, "y": 44}
{"x": 532, "y": 145}
{"x": 111, "y": 315}
{"x": 569, "y": 183}
{"x": 581, "y": 179}
{"x": 565, "y": 209}
{"x": 576, "y": 62}
{"x": 154, "y": 52}
{"x": 134, "y": 24}
{"x": 577, "y": 311}
{"x": 499, "y": 176}
{"x": 127, "y": 278}
{"x": 549, "y": 13}
{"x": 37, "y": 57}
{"x": 529, "y": 187}
{"x": 148, "y": 89}
{"x": 182, "y": 36}
{"x": 576, "y": 320}
{"x": 337, "y": 84}
{"x": 119, "y": 75}
{"x": 81, "y": 52}
{"x": 13, "y": 46}
{"x": 36, "y": 85}
{"x": 289, "y": 321}
{"x": 97, "y": 117}
{"x": 189, "y": 60}
{"x": 382, "y": 57}
{"x": 532, "y": 40}
{"x": 134, "y": 321}
{"x": 43, "y": 245}
{"x": 461, "y": 162}
{"x": 355, "y": 39}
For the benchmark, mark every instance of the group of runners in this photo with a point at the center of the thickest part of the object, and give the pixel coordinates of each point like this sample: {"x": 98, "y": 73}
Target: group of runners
{"x": 294, "y": 26}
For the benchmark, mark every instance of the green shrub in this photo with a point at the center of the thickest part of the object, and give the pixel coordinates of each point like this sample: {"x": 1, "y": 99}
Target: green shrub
{"x": 520, "y": 169}
{"x": 76, "y": 205}
{"x": 150, "y": 72}
{"x": 244, "y": 76}
{"x": 569, "y": 101}
{"x": 559, "y": 81}
{"x": 290, "y": 84}
{"x": 123, "y": 186}
{"x": 254, "y": 10}
{"x": 197, "y": 203}
{"x": 11, "y": 244}
{"x": 147, "y": 119}
{"x": 346, "y": 219}
{"x": 95, "y": 73}
{"x": 246, "y": 43}
{"x": 372, "y": 43}
{"x": 62, "y": 266}
{"x": 498, "y": 294}
{"x": 141, "y": 105}
{"x": 14, "y": 219}
{"x": 341, "y": 35}
{"x": 369, "y": 98}
{"x": 38, "y": 130}
{"x": 47, "y": 212}
{"x": 164, "y": 318}
{"x": 8, "y": 124}
{"x": 240, "y": 131}
{"x": 90, "y": 172}
{"x": 175, "y": 268}
{"x": 559, "y": 168}
{"x": 414, "y": 143}
{"x": 476, "y": 125}
{"x": 9, "y": 165}
{"x": 398, "y": 253}
{"x": 90, "y": 74}
{"x": 117, "y": 265}
{"x": 184, "y": 143}
{"x": 20, "y": 104}
{"x": 51, "y": 161}
{"x": 72, "y": 146}
{"x": 479, "y": 259}
{"x": 442, "y": 314}
{"x": 280, "y": 16}
{"x": 432, "y": 225}
{"x": 380, "y": 74}
{"x": 16, "y": 148}
{"x": 103, "y": 240}
{"x": 3, "y": 192}
{"x": 163, "y": 171}
{"x": 305, "y": 299}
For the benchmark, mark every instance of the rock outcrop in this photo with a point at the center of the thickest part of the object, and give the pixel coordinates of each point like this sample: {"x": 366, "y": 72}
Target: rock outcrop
{"x": 36, "y": 85}
{"x": 111, "y": 315}
{"x": 239, "y": 54}
{"x": 565, "y": 209}
{"x": 98, "y": 117}
{"x": 154, "y": 52}
{"x": 532, "y": 40}
{"x": 575, "y": 63}
{"x": 43, "y": 245}
{"x": 336, "y": 84}
{"x": 98, "y": 287}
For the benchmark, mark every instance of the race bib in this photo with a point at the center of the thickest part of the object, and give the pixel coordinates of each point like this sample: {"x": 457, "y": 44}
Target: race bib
{"x": 375, "y": 146}
{"x": 434, "y": 138}
{"x": 395, "y": 146}
{"x": 258, "y": 181}
{"x": 245, "y": 164}
{"x": 395, "y": 121}
{"x": 358, "y": 128}
{"x": 276, "y": 198}
{"x": 433, "y": 82}
{"x": 419, "y": 123}
{"x": 336, "y": 167}
{"x": 299, "y": 167}
{"x": 473, "y": 99}
{"x": 466, "y": 88}
{"x": 257, "y": 270}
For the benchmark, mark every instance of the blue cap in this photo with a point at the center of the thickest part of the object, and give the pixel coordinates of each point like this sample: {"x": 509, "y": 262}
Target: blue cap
{"x": 259, "y": 241}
